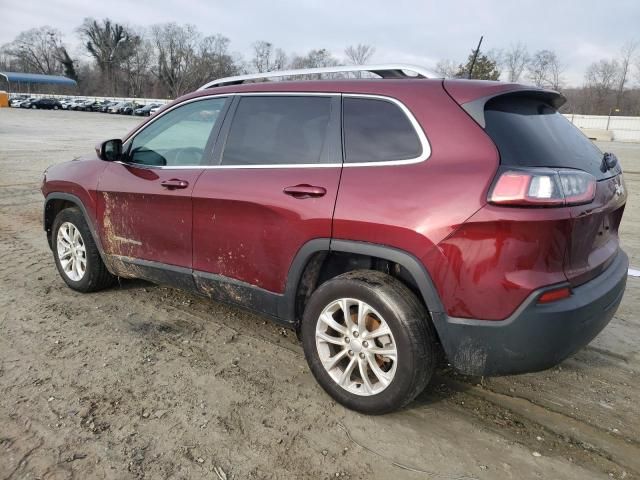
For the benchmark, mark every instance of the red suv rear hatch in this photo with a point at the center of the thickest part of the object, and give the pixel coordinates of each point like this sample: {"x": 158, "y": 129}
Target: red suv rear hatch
{"x": 530, "y": 133}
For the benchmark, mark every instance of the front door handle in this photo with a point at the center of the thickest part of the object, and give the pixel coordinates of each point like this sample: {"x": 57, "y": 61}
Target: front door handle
{"x": 305, "y": 191}
{"x": 174, "y": 184}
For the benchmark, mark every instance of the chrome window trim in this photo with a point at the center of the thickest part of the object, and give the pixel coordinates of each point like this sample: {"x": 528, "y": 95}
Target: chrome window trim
{"x": 424, "y": 142}
{"x": 426, "y": 147}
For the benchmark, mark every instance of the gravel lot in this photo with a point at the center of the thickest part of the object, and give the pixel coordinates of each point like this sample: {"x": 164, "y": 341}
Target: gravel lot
{"x": 143, "y": 381}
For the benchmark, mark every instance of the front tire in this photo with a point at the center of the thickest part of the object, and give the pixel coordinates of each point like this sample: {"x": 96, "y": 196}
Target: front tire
{"x": 381, "y": 354}
{"x": 76, "y": 254}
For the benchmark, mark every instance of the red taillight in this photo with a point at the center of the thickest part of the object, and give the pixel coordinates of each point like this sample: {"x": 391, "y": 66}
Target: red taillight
{"x": 543, "y": 187}
{"x": 554, "y": 295}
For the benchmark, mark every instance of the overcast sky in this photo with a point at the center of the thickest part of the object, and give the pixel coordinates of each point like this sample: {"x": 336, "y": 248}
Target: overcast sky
{"x": 412, "y": 31}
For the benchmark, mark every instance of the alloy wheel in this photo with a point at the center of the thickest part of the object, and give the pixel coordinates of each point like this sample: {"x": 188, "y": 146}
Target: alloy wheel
{"x": 356, "y": 346}
{"x": 72, "y": 253}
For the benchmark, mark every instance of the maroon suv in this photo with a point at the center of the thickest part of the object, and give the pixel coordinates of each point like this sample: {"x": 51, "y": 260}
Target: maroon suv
{"x": 384, "y": 219}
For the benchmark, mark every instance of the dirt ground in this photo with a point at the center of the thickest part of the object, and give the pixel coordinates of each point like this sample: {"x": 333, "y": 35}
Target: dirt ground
{"x": 143, "y": 381}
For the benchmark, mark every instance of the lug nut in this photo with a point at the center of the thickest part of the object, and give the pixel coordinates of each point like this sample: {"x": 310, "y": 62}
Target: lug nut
{"x": 361, "y": 355}
{"x": 365, "y": 344}
{"x": 351, "y": 353}
{"x": 346, "y": 339}
{"x": 355, "y": 333}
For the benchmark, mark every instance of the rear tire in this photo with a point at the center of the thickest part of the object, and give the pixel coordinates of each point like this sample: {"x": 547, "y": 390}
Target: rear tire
{"x": 356, "y": 363}
{"x": 91, "y": 274}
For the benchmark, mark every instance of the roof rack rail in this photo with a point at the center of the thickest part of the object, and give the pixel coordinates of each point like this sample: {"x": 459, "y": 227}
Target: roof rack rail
{"x": 391, "y": 70}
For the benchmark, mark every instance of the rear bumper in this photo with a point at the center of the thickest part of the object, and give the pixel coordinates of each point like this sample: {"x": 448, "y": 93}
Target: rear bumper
{"x": 536, "y": 336}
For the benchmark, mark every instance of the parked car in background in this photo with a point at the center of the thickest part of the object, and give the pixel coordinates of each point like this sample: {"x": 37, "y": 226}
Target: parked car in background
{"x": 77, "y": 105}
{"x": 64, "y": 101}
{"x": 155, "y": 110}
{"x": 99, "y": 105}
{"x": 115, "y": 108}
{"x": 105, "y": 105}
{"x": 145, "y": 110}
{"x": 73, "y": 103}
{"x": 46, "y": 104}
{"x": 496, "y": 243}
{"x": 129, "y": 107}
{"x": 86, "y": 106}
{"x": 27, "y": 102}
{"x": 16, "y": 100}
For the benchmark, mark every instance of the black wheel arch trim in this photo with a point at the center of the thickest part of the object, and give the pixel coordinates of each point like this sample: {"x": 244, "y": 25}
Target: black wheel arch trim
{"x": 77, "y": 202}
{"x": 415, "y": 268}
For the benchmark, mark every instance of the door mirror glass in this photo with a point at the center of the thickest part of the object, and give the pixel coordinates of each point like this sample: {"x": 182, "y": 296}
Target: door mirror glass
{"x": 111, "y": 150}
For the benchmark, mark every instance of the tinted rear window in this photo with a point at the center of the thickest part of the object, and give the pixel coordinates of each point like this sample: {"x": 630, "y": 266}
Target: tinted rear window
{"x": 530, "y": 133}
{"x": 377, "y": 131}
{"x": 275, "y": 130}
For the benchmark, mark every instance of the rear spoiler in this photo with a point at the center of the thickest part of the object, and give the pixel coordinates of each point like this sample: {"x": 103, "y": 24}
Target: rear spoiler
{"x": 475, "y": 108}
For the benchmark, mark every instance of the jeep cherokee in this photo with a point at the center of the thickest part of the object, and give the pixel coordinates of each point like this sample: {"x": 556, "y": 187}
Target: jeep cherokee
{"x": 385, "y": 219}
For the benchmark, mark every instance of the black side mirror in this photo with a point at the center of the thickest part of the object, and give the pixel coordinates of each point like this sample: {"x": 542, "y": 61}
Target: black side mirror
{"x": 110, "y": 151}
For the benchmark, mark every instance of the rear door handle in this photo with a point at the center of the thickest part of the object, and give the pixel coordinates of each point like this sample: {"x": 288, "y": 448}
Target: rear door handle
{"x": 305, "y": 191}
{"x": 174, "y": 184}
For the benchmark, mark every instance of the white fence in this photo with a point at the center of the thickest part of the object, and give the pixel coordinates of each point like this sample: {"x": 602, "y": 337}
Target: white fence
{"x": 620, "y": 129}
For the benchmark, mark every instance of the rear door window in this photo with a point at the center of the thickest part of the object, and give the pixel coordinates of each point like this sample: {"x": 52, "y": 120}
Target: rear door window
{"x": 531, "y": 133}
{"x": 377, "y": 130}
{"x": 279, "y": 130}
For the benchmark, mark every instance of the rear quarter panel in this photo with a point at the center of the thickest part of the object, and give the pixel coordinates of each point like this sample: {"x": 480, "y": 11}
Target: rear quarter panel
{"x": 414, "y": 207}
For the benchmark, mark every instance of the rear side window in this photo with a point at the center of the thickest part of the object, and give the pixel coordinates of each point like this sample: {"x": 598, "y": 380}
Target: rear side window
{"x": 377, "y": 130}
{"x": 530, "y": 133}
{"x": 277, "y": 130}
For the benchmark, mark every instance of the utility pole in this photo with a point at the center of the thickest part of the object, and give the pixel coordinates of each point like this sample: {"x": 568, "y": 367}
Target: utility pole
{"x": 475, "y": 56}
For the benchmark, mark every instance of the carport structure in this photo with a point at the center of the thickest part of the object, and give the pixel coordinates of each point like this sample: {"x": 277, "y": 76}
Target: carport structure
{"x": 16, "y": 80}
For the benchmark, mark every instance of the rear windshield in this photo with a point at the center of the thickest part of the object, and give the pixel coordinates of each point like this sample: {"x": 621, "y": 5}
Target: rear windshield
{"x": 530, "y": 133}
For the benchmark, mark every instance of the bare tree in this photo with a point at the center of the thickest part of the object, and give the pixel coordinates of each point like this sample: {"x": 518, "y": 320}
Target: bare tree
{"x": 214, "y": 60}
{"x": 280, "y": 62}
{"x": 600, "y": 81}
{"x": 38, "y": 50}
{"x": 137, "y": 67}
{"x": 314, "y": 59}
{"x": 626, "y": 57}
{"x": 446, "y": 68}
{"x": 515, "y": 60}
{"x": 545, "y": 70}
{"x": 110, "y": 44}
{"x": 266, "y": 58}
{"x": 359, "y": 54}
{"x": 176, "y": 50}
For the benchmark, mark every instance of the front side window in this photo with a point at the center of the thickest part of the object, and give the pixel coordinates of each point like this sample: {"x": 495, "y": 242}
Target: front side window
{"x": 377, "y": 130}
{"x": 179, "y": 137}
{"x": 278, "y": 130}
